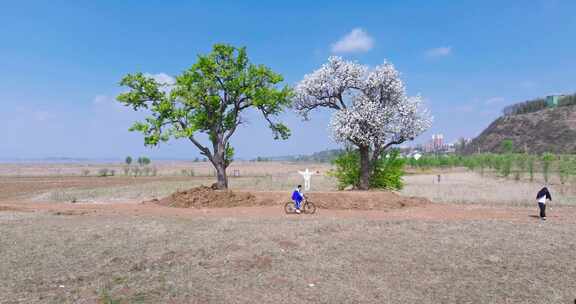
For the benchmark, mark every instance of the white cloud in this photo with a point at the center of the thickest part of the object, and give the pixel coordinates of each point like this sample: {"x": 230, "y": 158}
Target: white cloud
{"x": 107, "y": 104}
{"x": 101, "y": 99}
{"x": 357, "y": 41}
{"x": 162, "y": 78}
{"x": 439, "y": 51}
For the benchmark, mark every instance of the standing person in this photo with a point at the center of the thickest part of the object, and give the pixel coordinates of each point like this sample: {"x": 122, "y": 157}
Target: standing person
{"x": 542, "y": 196}
{"x": 297, "y": 197}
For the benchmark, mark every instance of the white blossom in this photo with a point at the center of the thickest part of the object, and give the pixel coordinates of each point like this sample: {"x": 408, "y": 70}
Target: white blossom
{"x": 372, "y": 108}
{"x": 329, "y": 86}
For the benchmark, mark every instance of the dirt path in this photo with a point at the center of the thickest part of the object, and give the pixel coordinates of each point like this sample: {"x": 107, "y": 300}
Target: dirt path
{"x": 432, "y": 212}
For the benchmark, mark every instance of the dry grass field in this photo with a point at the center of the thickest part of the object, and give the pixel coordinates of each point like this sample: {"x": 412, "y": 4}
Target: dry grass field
{"x": 472, "y": 188}
{"x": 479, "y": 242}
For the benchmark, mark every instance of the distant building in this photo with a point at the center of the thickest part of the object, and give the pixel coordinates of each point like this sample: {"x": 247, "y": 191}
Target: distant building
{"x": 437, "y": 142}
{"x": 553, "y": 99}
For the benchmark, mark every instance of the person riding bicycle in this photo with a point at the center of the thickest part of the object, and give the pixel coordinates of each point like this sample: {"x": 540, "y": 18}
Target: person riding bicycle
{"x": 297, "y": 197}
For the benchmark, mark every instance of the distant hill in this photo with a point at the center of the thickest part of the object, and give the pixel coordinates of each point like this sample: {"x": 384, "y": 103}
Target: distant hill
{"x": 547, "y": 130}
{"x": 322, "y": 157}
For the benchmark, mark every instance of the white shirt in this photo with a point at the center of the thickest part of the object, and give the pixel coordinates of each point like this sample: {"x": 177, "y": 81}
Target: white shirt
{"x": 542, "y": 199}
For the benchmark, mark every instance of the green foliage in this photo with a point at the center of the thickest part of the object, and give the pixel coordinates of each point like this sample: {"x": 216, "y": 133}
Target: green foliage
{"x": 347, "y": 171}
{"x": 507, "y": 146}
{"x": 565, "y": 168}
{"x": 530, "y": 163}
{"x": 547, "y": 159}
{"x": 128, "y": 160}
{"x": 506, "y": 164}
{"x": 538, "y": 104}
{"x": 207, "y": 98}
{"x": 526, "y": 107}
{"x": 143, "y": 161}
{"x": 103, "y": 172}
{"x": 387, "y": 172}
{"x": 510, "y": 164}
{"x": 520, "y": 161}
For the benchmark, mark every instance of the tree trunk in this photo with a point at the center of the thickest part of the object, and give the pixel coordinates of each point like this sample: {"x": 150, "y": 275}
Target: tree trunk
{"x": 364, "y": 168}
{"x": 219, "y": 162}
{"x": 222, "y": 178}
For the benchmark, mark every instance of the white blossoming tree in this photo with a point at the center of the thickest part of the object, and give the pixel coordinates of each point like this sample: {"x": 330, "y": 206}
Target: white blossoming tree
{"x": 373, "y": 112}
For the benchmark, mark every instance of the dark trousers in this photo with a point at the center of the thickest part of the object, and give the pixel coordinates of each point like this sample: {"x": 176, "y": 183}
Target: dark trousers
{"x": 542, "y": 209}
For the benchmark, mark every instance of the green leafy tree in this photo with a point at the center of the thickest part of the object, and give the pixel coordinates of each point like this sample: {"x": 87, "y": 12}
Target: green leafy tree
{"x": 520, "y": 161}
{"x": 564, "y": 168}
{"x": 547, "y": 159}
{"x": 128, "y": 160}
{"x": 530, "y": 163}
{"x": 507, "y": 159}
{"x": 208, "y": 98}
{"x": 143, "y": 161}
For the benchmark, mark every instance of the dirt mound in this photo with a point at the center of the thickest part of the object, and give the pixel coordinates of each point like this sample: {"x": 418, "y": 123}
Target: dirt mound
{"x": 346, "y": 200}
{"x": 377, "y": 200}
{"x": 205, "y": 197}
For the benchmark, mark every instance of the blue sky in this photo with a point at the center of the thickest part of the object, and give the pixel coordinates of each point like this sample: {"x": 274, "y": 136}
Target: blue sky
{"x": 60, "y": 62}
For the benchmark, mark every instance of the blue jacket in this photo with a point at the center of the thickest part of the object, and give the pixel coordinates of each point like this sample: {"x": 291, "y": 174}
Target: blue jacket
{"x": 296, "y": 196}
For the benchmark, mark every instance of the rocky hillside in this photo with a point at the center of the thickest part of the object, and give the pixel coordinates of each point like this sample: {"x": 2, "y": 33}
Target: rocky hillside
{"x": 549, "y": 130}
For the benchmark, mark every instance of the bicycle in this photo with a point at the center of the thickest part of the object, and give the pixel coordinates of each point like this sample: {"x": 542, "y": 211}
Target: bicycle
{"x": 307, "y": 207}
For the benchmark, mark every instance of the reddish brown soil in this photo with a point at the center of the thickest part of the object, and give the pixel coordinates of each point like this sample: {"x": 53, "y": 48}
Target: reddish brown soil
{"x": 15, "y": 187}
{"x": 266, "y": 204}
{"x": 428, "y": 212}
{"x": 206, "y": 197}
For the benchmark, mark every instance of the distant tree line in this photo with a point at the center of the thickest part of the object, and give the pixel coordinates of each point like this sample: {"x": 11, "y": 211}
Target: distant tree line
{"x": 325, "y": 156}
{"x": 142, "y": 169}
{"x": 509, "y": 164}
{"x": 536, "y": 105}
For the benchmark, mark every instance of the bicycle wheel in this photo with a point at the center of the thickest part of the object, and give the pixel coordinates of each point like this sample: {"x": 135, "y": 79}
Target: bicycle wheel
{"x": 289, "y": 207}
{"x": 309, "y": 208}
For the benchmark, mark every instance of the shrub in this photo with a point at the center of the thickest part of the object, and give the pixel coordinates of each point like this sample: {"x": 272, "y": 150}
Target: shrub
{"x": 347, "y": 171}
{"x": 85, "y": 172}
{"x": 387, "y": 172}
{"x": 103, "y": 172}
{"x": 187, "y": 172}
